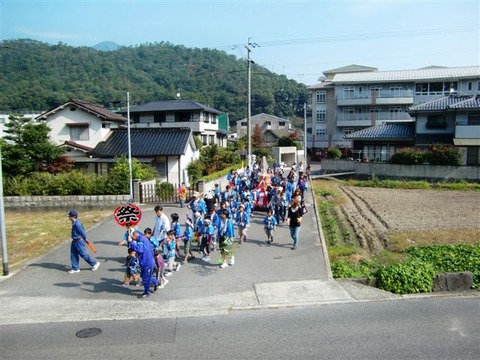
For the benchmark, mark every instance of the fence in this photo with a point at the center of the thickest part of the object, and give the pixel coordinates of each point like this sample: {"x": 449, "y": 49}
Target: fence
{"x": 145, "y": 192}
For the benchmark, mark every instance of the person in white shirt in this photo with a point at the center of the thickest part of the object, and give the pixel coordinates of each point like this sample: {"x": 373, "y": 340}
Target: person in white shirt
{"x": 161, "y": 225}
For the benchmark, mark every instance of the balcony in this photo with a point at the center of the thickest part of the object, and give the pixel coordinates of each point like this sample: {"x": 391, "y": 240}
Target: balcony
{"x": 467, "y": 130}
{"x": 386, "y": 97}
{"x": 371, "y": 119}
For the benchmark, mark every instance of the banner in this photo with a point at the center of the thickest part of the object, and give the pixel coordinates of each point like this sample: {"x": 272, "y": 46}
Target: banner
{"x": 129, "y": 213}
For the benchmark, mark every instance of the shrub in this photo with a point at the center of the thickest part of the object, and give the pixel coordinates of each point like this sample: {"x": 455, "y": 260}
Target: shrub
{"x": 450, "y": 258}
{"x": 408, "y": 157}
{"x": 165, "y": 190}
{"x": 410, "y": 277}
{"x": 443, "y": 155}
{"x": 334, "y": 153}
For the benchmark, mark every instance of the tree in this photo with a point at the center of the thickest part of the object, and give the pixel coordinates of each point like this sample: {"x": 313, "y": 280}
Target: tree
{"x": 257, "y": 137}
{"x": 286, "y": 141}
{"x": 27, "y": 147}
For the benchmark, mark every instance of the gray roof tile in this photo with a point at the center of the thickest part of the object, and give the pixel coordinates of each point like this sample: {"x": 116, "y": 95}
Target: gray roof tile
{"x": 448, "y": 102}
{"x": 396, "y": 131}
{"x": 144, "y": 142}
{"x": 172, "y": 105}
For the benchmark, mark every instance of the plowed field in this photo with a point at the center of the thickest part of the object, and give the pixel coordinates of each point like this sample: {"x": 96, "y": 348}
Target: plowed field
{"x": 374, "y": 214}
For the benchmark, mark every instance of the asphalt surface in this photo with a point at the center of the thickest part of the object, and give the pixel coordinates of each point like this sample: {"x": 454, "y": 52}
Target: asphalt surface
{"x": 264, "y": 276}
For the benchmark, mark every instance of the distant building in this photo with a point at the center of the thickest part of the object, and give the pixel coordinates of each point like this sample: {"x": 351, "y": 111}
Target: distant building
{"x": 273, "y": 127}
{"x": 356, "y": 98}
{"x": 201, "y": 119}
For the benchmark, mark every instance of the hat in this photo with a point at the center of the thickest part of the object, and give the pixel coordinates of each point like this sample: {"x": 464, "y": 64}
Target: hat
{"x": 72, "y": 213}
{"x": 196, "y": 194}
{"x": 241, "y": 206}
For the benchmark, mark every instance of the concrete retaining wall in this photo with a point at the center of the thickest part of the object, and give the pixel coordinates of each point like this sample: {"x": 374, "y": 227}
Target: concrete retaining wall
{"x": 392, "y": 171}
{"x": 32, "y": 203}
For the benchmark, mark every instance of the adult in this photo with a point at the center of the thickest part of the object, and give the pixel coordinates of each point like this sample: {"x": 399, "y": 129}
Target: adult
{"x": 144, "y": 249}
{"x": 77, "y": 248}
{"x": 294, "y": 221}
{"x": 161, "y": 224}
{"x": 197, "y": 204}
{"x": 182, "y": 194}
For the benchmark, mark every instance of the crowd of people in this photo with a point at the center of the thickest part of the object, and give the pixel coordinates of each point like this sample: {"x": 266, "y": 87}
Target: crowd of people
{"x": 216, "y": 221}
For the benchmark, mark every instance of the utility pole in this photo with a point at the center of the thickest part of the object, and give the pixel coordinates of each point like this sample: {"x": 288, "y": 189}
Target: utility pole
{"x": 129, "y": 148}
{"x": 249, "y": 46}
{"x": 305, "y": 134}
{"x": 249, "y": 105}
{"x": 2, "y": 223}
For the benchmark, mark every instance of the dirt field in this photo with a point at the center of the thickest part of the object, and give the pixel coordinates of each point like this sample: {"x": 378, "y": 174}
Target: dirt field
{"x": 374, "y": 214}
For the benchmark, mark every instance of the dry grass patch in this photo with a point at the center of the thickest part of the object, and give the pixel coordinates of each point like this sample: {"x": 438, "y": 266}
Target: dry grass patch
{"x": 401, "y": 240}
{"x": 31, "y": 234}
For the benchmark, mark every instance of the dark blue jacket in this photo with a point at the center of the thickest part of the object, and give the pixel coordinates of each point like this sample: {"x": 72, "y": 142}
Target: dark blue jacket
{"x": 144, "y": 250}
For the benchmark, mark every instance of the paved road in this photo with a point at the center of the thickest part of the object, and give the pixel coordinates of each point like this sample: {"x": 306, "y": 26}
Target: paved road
{"x": 445, "y": 328}
{"x": 263, "y": 276}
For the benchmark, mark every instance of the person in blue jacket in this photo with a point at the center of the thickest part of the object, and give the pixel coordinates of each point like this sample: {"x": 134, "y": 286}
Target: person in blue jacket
{"x": 139, "y": 243}
{"x": 77, "y": 248}
{"x": 226, "y": 232}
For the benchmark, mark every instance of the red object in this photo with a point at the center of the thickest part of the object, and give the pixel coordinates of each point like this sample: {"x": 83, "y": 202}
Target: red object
{"x": 129, "y": 213}
{"x": 90, "y": 245}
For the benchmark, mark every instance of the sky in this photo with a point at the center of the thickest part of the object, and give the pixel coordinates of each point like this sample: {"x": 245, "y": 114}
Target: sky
{"x": 298, "y": 39}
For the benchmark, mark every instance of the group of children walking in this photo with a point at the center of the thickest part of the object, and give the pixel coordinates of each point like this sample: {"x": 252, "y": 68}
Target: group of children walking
{"x": 211, "y": 225}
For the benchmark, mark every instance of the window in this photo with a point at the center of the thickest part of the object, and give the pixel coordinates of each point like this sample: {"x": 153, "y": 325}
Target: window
{"x": 469, "y": 86}
{"x": 349, "y": 110}
{"x": 281, "y": 123}
{"x": 375, "y": 110}
{"x": 321, "y": 115}
{"x": 184, "y": 116}
{"x": 321, "y": 132}
{"x": 436, "y": 122}
{"x": 395, "y": 88}
{"x": 321, "y": 97}
{"x": 206, "y": 118}
{"x": 347, "y": 131}
{"x": 79, "y": 132}
{"x": 204, "y": 140}
{"x": 135, "y": 118}
{"x": 473, "y": 119}
{"x": 436, "y": 88}
{"x": 159, "y": 117}
{"x": 212, "y": 139}
{"x": 243, "y": 123}
{"x": 214, "y": 119}
{"x": 375, "y": 88}
{"x": 348, "y": 91}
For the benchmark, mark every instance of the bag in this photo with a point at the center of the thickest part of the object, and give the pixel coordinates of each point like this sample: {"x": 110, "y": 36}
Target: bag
{"x": 304, "y": 209}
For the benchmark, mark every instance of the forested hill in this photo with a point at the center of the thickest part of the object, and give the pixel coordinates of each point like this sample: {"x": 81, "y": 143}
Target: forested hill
{"x": 39, "y": 76}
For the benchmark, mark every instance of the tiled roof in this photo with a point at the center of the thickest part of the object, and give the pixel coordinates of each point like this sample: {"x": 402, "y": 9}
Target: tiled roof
{"x": 416, "y": 75}
{"x": 75, "y": 145}
{"x": 172, "y": 105}
{"x": 397, "y": 131}
{"x": 430, "y": 139}
{"x": 448, "y": 102}
{"x": 144, "y": 142}
{"x": 96, "y": 109}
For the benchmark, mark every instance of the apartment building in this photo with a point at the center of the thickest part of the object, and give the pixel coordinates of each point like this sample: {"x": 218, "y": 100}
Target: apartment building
{"x": 353, "y": 98}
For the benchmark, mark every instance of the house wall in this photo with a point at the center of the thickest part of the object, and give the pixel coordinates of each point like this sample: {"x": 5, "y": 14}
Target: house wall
{"x": 428, "y": 172}
{"x": 261, "y": 121}
{"x": 60, "y": 132}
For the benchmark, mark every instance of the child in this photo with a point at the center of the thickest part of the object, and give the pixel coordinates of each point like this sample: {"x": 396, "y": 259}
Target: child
{"x": 226, "y": 233}
{"x": 269, "y": 225}
{"x": 175, "y": 226}
{"x": 149, "y": 235}
{"x": 160, "y": 268}
{"x": 187, "y": 240}
{"x": 242, "y": 219}
{"x": 208, "y": 232}
{"x": 171, "y": 245}
{"x": 131, "y": 262}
